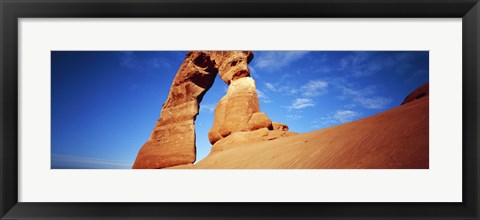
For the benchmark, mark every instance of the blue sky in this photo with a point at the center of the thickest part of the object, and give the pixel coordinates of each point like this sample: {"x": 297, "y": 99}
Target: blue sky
{"x": 105, "y": 103}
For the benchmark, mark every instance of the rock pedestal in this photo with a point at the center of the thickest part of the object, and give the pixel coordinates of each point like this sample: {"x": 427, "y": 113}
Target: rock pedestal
{"x": 239, "y": 109}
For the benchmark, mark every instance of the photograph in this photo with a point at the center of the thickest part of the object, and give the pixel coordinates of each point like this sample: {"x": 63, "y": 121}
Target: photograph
{"x": 234, "y": 109}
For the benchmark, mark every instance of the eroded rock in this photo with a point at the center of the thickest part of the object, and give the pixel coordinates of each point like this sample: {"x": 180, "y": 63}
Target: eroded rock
{"x": 233, "y": 65}
{"x": 236, "y": 109}
{"x": 237, "y": 117}
{"x": 172, "y": 141}
{"x": 279, "y": 126}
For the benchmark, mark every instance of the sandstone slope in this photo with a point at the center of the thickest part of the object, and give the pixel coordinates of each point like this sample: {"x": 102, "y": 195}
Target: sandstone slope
{"x": 397, "y": 138}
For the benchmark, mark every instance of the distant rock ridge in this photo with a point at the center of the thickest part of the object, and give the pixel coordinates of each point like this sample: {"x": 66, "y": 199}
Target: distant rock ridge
{"x": 418, "y": 93}
{"x": 237, "y": 115}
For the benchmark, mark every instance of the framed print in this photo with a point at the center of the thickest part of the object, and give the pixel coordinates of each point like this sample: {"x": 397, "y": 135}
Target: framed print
{"x": 225, "y": 109}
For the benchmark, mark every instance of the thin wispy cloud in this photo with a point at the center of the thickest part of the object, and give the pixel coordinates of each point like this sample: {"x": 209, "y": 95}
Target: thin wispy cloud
{"x": 364, "y": 64}
{"x": 344, "y": 116}
{"x": 365, "y": 97}
{"x": 337, "y": 117}
{"x": 88, "y": 162}
{"x": 303, "y": 94}
{"x": 310, "y": 89}
{"x": 277, "y": 59}
{"x": 301, "y": 103}
{"x": 277, "y": 87}
{"x": 376, "y": 102}
{"x": 361, "y": 64}
{"x": 314, "y": 88}
{"x": 271, "y": 87}
{"x": 207, "y": 108}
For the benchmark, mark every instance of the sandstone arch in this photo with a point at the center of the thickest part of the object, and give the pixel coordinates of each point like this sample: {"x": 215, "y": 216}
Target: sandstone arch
{"x": 172, "y": 141}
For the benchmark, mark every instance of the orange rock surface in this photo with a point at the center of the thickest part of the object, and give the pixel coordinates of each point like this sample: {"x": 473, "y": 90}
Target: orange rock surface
{"x": 238, "y": 111}
{"x": 397, "y": 138}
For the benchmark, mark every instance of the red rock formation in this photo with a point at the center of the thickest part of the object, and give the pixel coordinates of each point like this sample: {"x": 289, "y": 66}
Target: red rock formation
{"x": 279, "y": 126}
{"x": 232, "y": 65}
{"x": 239, "y": 109}
{"x": 172, "y": 141}
{"x": 235, "y": 109}
{"x": 419, "y": 93}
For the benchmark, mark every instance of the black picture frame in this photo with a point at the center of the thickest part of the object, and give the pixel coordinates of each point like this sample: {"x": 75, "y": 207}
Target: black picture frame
{"x": 12, "y": 10}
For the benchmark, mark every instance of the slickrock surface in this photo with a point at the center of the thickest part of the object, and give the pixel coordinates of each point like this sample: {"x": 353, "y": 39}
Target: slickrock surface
{"x": 240, "y": 139}
{"x": 172, "y": 141}
{"x": 397, "y": 138}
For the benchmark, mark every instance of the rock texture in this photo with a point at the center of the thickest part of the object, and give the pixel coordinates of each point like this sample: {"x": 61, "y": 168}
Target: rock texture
{"x": 235, "y": 110}
{"x": 237, "y": 118}
{"x": 279, "y": 126}
{"x": 245, "y": 138}
{"x": 172, "y": 141}
{"x": 239, "y": 109}
{"x": 232, "y": 65}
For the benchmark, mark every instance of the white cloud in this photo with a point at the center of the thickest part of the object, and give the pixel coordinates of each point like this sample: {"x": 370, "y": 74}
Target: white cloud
{"x": 263, "y": 98}
{"x": 282, "y": 89}
{"x": 314, "y": 88}
{"x": 207, "y": 108}
{"x": 337, "y": 117}
{"x": 310, "y": 89}
{"x": 364, "y": 97}
{"x": 271, "y": 87}
{"x": 277, "y": 59}
{"x": 301, "y": 103}
{"x": 344, "y": 116}
{"x": 377, "y": 102}
{"x": 362, "y": 64}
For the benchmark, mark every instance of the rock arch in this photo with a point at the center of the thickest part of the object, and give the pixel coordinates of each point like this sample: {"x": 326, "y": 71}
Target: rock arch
{"x": 172, "y": 141}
